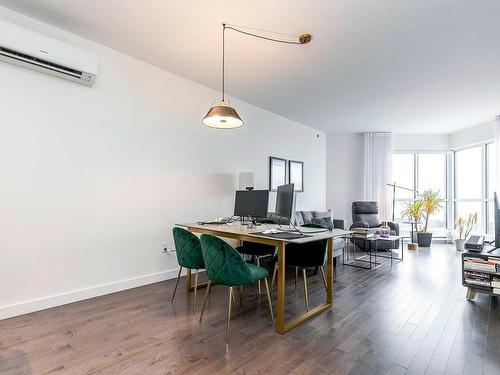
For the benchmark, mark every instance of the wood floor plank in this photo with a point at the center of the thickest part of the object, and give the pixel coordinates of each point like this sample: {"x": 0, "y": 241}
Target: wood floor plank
{"x": 408, "y": 319}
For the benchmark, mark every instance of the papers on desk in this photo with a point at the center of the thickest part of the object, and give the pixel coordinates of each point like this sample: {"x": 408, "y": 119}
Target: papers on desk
{"x": 270, "y": 231}
{"x": 312, "y": 230}
{"x": 281, "y": 234}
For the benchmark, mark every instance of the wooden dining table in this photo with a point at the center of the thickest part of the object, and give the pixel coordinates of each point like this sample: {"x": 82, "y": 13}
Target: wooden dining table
{"x": 240, "y": 233}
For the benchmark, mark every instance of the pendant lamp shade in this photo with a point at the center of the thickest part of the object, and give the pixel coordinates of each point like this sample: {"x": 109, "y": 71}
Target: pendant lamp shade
{"x": 222, "y": 116}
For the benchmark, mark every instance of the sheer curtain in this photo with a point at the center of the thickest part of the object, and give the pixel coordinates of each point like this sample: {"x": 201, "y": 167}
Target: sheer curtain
{"x": 378, "y": 171}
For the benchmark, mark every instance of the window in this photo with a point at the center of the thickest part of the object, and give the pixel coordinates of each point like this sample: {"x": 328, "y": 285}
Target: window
{"x": 474, "y": 184}
{"x": 468, "y": 174}
{"x": 490, "y": 184}
{"x": 420, "y": 171}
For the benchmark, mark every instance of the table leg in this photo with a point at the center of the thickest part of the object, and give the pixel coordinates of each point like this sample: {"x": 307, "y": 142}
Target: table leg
{"x": 392, "y": 251}
{"x": 280, "y": 315}
{"x": 343, "y": 252}
{"x": 282, "y": 326}
{"x": 189, "y": 282}
{"x": 402, "y": 248}
{"x": 329, "y": 272}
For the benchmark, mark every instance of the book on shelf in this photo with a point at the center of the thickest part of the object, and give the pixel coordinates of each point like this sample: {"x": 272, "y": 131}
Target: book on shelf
{"x": 475, "y": 282}
{"x": 495, "y": 282}
{"x": 477, "y": 278}
{"x": 478, "y": 264}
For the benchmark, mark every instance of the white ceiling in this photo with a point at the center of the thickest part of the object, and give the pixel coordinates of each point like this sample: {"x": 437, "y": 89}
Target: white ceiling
{"x": 413, "y": 66}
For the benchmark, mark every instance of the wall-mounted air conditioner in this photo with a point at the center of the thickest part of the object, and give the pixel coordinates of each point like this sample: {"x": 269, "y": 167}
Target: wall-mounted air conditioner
{"x": 38, "y": 52}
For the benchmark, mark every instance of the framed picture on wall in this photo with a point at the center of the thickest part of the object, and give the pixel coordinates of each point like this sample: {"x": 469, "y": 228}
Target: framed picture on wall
{"x": 296, "y": 174}
{"x": 277, "y": 172}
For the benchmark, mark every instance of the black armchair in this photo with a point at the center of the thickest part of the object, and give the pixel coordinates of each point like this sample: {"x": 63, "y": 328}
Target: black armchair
{"x": 365, "y": 215}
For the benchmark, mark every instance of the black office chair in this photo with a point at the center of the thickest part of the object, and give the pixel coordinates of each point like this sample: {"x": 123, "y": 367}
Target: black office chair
{"x": 304, "y": 256}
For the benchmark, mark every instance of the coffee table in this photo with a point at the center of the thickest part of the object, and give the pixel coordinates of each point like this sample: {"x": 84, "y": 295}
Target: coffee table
{"x": 371, "y": 248}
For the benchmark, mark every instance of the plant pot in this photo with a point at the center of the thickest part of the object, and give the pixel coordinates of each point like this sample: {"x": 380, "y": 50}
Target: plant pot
{"x": 460, "y": 244}
{"x": 424, "y": 239}
{"x": 412, "y": 246}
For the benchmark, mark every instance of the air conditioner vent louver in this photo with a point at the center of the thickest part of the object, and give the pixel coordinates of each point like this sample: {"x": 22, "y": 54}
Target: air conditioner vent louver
{"x": 36, "y": 61}
{"x": 29, "y": 49}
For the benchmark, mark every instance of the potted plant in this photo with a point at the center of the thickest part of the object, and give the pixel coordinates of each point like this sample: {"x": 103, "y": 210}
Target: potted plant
{"x": 413, "y": 212}
{"x": 464, "y": 227}
{"x": 431, "y": 204}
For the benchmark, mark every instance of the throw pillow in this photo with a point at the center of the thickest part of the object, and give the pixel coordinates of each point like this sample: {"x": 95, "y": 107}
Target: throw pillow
{"x": 322, "y": 214}
{"x": 324, "y": 222}
{"x": 307, "y": 216}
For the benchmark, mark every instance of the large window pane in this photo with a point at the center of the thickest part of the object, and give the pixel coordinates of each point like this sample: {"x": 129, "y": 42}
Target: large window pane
{"x": 432, "y": 173}
{"x": 490, "y": 157}
{"x": 468, "y": 174}
{"x": 491, "y": 218}
{"x": 438, "y": 221}
{"x": 464, "y": 209}
{"x": 403, "y": 174}
{"x": 399, "y": 207}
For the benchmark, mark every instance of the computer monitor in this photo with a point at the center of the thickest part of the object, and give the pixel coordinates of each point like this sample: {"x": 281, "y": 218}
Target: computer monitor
{"x": 284, "y": 201}
{"x": 252, "y": 203}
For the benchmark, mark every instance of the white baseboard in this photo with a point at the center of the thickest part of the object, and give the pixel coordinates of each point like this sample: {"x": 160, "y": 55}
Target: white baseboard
{"x": 20, "y": 308}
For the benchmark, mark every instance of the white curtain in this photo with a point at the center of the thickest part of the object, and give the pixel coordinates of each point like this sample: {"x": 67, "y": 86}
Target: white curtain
{"x": 378, "y": 171}
{"x": 497, "y": 158}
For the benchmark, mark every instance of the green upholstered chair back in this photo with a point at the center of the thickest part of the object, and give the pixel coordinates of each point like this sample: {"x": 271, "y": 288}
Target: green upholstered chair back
{"x": 223, "y": 263}
{"x": 188, "y": 249}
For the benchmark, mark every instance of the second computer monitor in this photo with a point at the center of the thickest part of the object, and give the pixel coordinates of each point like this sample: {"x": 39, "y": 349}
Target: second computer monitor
{"x": 284, "y": 201}
{"x": 253, "y": 203}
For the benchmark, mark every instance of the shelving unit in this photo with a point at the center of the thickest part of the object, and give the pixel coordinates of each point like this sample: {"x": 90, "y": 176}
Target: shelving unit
{"x": 489, "y": 256}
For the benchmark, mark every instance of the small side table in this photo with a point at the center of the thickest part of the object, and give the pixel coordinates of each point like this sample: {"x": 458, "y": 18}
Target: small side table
{"x": 393, "y": 239}
{"x": 372, "y": 251}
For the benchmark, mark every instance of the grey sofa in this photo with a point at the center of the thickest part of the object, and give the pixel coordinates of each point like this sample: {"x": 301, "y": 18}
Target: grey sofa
{"x": 305, "y": 217}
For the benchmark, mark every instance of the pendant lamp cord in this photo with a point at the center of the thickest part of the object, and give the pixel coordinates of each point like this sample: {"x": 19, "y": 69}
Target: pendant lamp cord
{"x": 224, "y": 27}
{"x": 260, "y": 36}
{"x": 223, "y": 58}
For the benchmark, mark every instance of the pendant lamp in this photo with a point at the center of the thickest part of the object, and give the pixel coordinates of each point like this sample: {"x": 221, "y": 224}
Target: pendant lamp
{"x": 222, "y": 115}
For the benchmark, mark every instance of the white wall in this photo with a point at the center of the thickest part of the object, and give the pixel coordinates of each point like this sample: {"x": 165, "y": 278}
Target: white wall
{"x": 421, "y": 142}
{"x": 344, "y": 174}
{"x": 93, "y": 179}
{"x": 477, "y": 134}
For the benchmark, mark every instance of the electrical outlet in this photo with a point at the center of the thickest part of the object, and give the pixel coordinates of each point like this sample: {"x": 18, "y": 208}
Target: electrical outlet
{"x": 166, "y": 249}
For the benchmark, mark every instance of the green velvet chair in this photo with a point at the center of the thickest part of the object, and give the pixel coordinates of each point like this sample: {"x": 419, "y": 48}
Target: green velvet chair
{"x": 189, "y": 256}
{"x": 257, "y": 251}
{"x": 225, "y": 266}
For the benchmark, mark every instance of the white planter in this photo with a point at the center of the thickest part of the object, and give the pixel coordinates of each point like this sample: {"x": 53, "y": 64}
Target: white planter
{"x": 460, "y": 244}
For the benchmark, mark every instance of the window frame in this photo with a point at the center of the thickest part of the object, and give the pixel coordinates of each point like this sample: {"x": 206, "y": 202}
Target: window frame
{"x": 447, "y": 178}
{"x": 485, "y": 179}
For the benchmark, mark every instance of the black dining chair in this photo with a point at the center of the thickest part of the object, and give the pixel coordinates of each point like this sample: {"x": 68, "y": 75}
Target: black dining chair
{"x": 302, "y": 257}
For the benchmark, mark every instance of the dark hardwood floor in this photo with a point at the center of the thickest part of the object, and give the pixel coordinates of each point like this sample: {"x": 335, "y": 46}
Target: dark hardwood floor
{"x": 411, "y": 319}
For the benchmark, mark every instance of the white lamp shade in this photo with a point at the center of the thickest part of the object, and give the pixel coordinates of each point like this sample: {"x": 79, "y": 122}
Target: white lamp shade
{"x": 222, "y": 116}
